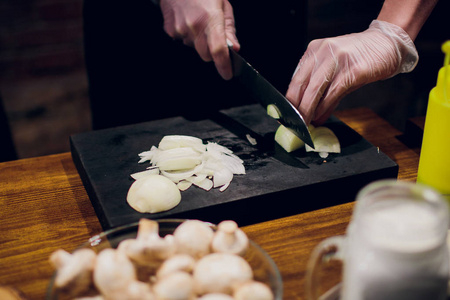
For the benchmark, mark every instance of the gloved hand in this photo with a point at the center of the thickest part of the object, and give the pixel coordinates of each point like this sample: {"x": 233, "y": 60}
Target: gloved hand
{"x": 333, "y": 67}
{"x": 205, "y": 25}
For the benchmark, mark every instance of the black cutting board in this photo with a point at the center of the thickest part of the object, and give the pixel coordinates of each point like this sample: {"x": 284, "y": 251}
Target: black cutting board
{"x": 276, "y": 183}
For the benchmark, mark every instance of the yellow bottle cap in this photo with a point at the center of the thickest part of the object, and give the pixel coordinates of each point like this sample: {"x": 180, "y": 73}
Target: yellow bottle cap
{"x": 446, "y": 49}
{"x": 443, "y": 82}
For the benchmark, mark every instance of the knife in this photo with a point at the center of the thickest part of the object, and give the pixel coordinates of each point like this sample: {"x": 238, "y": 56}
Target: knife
{"x": 263, "y": 91}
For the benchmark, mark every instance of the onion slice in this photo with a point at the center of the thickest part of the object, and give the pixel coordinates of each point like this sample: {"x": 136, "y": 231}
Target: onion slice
{"x": 181, "y": 141}
{"x": 151, "y": 171}
{"x": 325, "y": 141}
{"x": 273, "y": 111}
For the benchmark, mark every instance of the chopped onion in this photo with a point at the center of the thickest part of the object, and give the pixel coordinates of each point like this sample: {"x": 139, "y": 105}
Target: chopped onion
{"x": 151, "y": 171}
{"x": 181, "y": 141}
{"x": 224, "y": 187}
{"x": 197, "y": 178}
{"x": 205, "y": 184}
{"x": 325, "y": 141}
{"x": 148, "y": 155}
{"x": 323, "y": 154}
{"x": 180, "y": 163}
{"x": 234, "y": 164}
{"x": 178, "y": 176}
{"x": 287, "y": 139}
{"x": 273, "y": 111}
{"x": 251, "y": 140}
{"x": 186, "y": 161}
{"x": 222, "y": 177}
{"x": 184, "y": 185}
{"x": 177, "y": 159}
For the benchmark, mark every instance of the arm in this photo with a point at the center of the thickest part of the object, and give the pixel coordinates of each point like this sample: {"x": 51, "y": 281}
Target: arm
{"x": 332, "y": 68}
{"x": 413, "y": 16}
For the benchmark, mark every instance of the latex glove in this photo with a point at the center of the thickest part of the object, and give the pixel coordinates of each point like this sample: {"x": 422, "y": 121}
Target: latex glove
{"x": 205, "y": 25}
{"x": 333, "y": 67}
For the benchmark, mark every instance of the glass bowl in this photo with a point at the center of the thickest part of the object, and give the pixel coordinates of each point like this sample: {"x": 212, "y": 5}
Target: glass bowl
{"x": 264, "y": 268}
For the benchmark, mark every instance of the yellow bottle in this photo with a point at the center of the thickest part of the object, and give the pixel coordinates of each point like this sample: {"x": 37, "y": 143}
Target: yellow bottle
{"x": 434, "y": 165}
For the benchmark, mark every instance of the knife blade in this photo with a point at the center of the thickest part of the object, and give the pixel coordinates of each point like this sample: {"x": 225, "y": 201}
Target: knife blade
{"x": 263, "y": 91}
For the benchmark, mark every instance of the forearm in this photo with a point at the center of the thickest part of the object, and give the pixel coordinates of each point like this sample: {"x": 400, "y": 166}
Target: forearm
{"x": 407, "y": 14}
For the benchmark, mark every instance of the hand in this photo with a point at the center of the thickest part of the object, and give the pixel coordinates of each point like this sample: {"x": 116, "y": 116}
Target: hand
{"x": 205, "y": 25}
{"x": 333, "y": 67}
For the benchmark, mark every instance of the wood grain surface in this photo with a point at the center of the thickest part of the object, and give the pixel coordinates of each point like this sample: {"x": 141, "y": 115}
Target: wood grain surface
{"x": 44, "y": 207}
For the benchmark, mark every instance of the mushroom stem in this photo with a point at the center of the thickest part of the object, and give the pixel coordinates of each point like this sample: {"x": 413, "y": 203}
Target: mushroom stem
{"x": 148, "y": 251}
{"x": 74, "y": 271}
{"x": 147, "y": 229}
{"x": 113, "y": 272}
{"x": 230, "y": 239}
{"x": 228, "y": 228}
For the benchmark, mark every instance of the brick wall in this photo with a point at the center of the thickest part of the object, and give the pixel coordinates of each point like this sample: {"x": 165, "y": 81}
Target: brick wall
{"x": 42, "y": 74}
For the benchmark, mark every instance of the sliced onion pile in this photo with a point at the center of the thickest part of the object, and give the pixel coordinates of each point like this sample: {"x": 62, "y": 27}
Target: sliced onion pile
{"x": 187, "y": 161}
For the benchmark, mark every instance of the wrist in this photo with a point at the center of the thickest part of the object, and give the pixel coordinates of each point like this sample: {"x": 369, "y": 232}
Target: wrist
{"x": 402, "y": 42}
{"x": 410, "y": 15}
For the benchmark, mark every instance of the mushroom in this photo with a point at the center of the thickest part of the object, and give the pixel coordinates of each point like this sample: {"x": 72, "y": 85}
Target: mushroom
{"x": 178, "y": 262}
{"x": 113, "y": 272}
{"x": 221, "y": 273}
{"x": 230, "y": 239}
{"x": 11, "y": 293}
{"x": 149, "y": 250}
{"x": 97, "y": 297}
{"x": 216, "y": 296}
{"x": 253, "y": 290}
{"x": 178, "y": 285}
{"x": 193, "y": 237}
{"x": 74, "y": 271}
{"x": 136, "y": 290}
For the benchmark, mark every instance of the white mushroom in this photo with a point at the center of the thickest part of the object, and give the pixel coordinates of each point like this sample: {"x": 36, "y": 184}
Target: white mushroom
{"x": 74, "y": 271}
{"x": 136, "y": 290}
{"x": 220, "y": 273}
{"x": 149, "y": 250}
{"x": 178, "y": 262}
{"x": 216, "y": 296}
{"x": 178, "y": 285}
{"x": 113, "y": 272}
{"x": 193, "y": 237}
{"x": 97, "y": 297}
{"x": 230, "y": 239}
{"x": 253, "y": 290}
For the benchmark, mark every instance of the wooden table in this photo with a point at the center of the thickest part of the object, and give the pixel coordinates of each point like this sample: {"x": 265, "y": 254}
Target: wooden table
{"x": 44, "y": 207}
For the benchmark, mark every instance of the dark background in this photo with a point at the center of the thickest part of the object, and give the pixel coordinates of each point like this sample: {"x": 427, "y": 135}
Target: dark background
{"x": 44, "y": 87}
